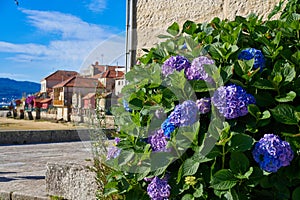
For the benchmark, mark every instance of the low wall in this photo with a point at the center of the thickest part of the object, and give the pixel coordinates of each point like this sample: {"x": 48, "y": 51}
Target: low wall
{"x": 48, "y": 136}
{"x": 71, "y": 181}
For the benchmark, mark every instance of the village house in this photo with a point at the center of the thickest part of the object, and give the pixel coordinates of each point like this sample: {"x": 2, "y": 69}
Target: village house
{"x": 53, "y": 79}
{"x": 69, "y": 93}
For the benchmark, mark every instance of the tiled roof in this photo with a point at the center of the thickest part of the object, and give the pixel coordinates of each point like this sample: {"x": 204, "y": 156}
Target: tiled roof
{"x": 61, "y": 75}
{"x": 78, "y": 81}
{"x": 110, "y": 74}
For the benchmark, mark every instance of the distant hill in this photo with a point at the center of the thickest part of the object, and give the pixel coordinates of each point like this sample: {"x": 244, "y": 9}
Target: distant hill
{"x": 12, "y": 89}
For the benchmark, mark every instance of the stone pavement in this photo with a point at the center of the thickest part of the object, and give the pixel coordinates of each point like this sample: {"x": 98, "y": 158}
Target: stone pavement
{"x": 23, "y": 167}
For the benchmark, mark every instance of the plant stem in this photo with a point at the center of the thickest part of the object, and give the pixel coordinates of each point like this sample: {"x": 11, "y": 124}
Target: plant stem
{"x": 223, "y": 156}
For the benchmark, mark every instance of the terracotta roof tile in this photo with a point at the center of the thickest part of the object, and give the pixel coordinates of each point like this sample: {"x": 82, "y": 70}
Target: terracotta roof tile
{"x": 61, "y": 75}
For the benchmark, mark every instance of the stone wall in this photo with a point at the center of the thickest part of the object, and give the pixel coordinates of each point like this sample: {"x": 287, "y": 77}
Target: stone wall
{"x": 154, "y": 16}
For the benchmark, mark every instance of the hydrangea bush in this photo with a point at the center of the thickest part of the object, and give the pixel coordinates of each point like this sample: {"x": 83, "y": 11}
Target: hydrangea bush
{"x": 212, "y": 113}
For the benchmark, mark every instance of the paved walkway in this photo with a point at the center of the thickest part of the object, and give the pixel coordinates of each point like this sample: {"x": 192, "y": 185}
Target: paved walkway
{"x": 23, "y": 167}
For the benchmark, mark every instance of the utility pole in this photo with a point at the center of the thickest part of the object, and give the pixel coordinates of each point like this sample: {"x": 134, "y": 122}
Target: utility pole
{"x": 130, "y": 34}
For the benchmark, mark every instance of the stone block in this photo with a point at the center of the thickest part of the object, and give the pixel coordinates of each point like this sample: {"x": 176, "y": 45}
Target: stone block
{"x": 71, "y": 181}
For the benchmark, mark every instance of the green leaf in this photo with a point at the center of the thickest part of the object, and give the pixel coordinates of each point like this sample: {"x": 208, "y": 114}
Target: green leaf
{"x": 254, "y": 110}
{"x": 287, "y": 97}
{"x": 240, "y": 142}
{"x": 223, "y": 180}
{"x": 187, "y": 197}
{"x": 296, "y": 194}
{"x": 238, "y": 163}
{"x": 190, "y": 43}
{"x": 289, "y": 73}
{"x": 264, "y": 84}
{"x": 189, "y": 27}
{"x": 232, "y": 195}
{"x": 246, "y": 65}
{"x": 285, "y": 113}
{"x": 173, "y": 29}
{"x": 199, "y": 191}
{"x": 190, "y": 167}
{"x": 125, "y": 156}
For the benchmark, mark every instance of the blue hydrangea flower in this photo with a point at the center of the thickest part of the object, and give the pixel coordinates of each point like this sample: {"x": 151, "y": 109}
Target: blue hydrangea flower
{"x": 126, "y": 106}
{"x": 167, "y": 127}
{"x": 158, "y": 141}
{"x": 174, "y": 63}
{"x": 196, "y": 70}
{"x": 184, "y": 114}
{"x": 250, "y": 53}
{"x": 203, "y": 105}
{"x": 271, "y": 153}
{"x": 159, "y": 189}
{"x": 232, "y": 101}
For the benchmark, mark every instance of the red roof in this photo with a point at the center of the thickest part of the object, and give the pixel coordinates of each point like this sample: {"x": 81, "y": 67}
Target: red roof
{"x": 78, "y": 81}
{"x": 61, "y": 75}
{"x": 110, "y": 74}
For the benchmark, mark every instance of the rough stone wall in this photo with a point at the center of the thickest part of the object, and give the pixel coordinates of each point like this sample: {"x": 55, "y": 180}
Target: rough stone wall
{"x": 154, "y": 16}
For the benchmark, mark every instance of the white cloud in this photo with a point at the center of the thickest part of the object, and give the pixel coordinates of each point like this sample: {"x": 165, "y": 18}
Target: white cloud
{"x": 97, "y": 5}
{"x": 66, "y": 25}
{"x": 75, "y": 40}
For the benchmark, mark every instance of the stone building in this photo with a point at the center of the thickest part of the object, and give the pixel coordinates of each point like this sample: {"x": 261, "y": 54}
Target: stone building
{"x": 152, "y": 17}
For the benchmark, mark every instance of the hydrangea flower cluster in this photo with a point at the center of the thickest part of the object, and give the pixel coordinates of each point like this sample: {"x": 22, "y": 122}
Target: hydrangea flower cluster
{"x": 232, "y": 101}
{"x": 271, "y": 153}
{"x": 113, "y": 151}
{"x": 250, "y": 53}
{"x": 184, "y": 114}
{"x": 196, "y": 70}
{"x": 203, "y": 105}
{"x": 158, "y": 141}
{"x": 177, "y": 63}
{"x": 159, "y": 189}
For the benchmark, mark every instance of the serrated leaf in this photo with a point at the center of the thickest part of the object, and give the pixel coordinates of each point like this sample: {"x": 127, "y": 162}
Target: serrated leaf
{"x": 199, "y": 191}
{"x": 287, "y": 97}
{"x": 285, "y": 113}
{"x": 189, "y": 27}
{"x": 240, "y": 142}
{"x": 173, "y": 29}
{"x": 238, "y": 163}
{"x": 264, "y": 84}
{"x": 254, "y": 110}
{"x": 296, "y": 194}
{"x": 223, "y": 180}
{"x": 190, "y": 43}
{"x": 190, "y": 167}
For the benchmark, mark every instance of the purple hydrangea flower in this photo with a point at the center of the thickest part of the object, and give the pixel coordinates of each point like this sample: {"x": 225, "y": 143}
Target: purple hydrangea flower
{"x": 126, "y": 106}
{"x": 250, "y": 53}
{"x": 158, "y": 141}
{"x": 271, "y": 153}
{"x": 175, "y": 63}
{"x": 159, "y": 189}
{"x": 196, "y": 70}
{"x": 184, "y": 114}
{"x": 113, "y": 151}
{"x": 232, "y": 101}
{"x": 203, "y": 105}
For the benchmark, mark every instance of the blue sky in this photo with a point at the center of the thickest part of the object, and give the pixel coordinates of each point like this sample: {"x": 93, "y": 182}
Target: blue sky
{"x": 39, "y": 37}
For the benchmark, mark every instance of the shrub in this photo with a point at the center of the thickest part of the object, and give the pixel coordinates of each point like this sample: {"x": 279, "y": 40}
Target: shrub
{"x": 212, "y": 113}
